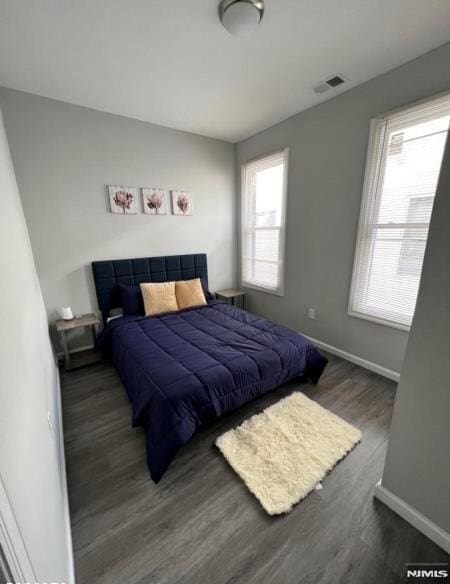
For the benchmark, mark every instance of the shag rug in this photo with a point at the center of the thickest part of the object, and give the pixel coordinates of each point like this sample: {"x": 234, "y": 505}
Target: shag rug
{"x": 284, "y": 452}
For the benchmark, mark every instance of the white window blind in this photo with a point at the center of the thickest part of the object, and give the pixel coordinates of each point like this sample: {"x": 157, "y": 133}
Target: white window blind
{"x": 403, "y": 165}
{"x": 263, "y": 222}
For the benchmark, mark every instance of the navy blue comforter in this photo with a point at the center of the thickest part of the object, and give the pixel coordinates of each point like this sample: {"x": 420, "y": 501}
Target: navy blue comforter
{"x": 185, "y": 369}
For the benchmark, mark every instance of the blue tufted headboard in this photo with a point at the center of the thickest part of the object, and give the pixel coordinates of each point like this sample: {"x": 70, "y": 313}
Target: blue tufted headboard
{"x": 108, "y": 274}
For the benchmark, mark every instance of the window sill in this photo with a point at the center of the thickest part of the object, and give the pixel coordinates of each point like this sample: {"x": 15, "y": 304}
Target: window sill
{"x": 402, "y": 327}
{"x": 262, "y": 289}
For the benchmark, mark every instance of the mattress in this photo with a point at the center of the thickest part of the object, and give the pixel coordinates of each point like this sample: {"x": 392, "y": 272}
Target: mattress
{"x": 183, "y": 370}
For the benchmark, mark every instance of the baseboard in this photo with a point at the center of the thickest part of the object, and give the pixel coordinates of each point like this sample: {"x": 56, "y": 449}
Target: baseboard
{"x": 414, "y": 517}
{"x": 65, "y": 490}
{"x": 394, "y": 375}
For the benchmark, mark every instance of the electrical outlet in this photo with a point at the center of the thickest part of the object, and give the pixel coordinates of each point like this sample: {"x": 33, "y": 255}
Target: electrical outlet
{"x": 312, "y": 313}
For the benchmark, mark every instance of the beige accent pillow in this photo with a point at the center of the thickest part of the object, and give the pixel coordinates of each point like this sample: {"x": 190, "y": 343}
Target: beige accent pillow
{"x": 189, "y": 293}
{"x": 159, "y": 297}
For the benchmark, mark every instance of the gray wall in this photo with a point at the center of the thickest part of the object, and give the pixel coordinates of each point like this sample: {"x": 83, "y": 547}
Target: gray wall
{"x": 32, "y": 471}
{"x": 64, "y": 156}
{"x": 417, "y": 465}
{"x": 327, "y": 159}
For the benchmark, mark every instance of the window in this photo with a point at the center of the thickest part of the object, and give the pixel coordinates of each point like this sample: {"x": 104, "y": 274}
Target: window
{"x": 263, "y": 222}
{"x": 403, "y": 165}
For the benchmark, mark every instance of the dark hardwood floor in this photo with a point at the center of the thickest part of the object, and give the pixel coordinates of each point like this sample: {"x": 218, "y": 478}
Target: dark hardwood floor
{"x": 200, "y": 525}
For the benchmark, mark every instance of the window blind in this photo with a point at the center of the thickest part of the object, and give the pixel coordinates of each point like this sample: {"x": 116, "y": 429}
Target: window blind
{"x": 403, "y": 165}
{"x": 263, "y": 222}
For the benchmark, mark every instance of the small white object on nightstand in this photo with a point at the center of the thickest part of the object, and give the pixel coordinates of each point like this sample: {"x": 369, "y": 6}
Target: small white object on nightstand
{"x": 67, "y": 313}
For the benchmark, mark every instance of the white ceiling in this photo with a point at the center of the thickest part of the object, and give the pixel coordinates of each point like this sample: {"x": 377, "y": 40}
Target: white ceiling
{"x": 172, "y": 63}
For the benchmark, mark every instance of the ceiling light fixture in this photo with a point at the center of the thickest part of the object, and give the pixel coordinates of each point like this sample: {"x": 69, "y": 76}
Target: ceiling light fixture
{"x": 241, "y": 17}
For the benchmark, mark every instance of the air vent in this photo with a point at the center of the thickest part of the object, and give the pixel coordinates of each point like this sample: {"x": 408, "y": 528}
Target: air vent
{"x": 330, "y": 83}
{"x": 335, "y": 81}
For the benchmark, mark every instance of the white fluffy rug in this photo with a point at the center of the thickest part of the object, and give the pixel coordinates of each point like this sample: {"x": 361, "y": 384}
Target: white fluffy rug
{"x": 284, "y": 452}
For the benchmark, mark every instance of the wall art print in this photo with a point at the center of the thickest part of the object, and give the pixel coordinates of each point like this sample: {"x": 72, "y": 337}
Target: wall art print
{"x": 182, "y": 203}
{"x": 154, "y": 201}
{"x": 123, "y": 200}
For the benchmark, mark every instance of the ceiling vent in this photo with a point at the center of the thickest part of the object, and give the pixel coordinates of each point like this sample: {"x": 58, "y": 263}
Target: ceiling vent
{"x": 330, "y": 83}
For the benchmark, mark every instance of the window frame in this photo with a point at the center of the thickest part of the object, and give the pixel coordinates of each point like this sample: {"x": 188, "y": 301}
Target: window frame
{"x": 282, "y": 229}
{"x": 373, "y": 168}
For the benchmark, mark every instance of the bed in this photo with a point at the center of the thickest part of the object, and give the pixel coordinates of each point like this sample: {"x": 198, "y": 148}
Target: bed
{"x": 183, "y": 370}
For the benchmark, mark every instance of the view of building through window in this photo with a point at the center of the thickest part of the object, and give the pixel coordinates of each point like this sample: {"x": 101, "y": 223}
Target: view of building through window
{"x": 393, "y": 232}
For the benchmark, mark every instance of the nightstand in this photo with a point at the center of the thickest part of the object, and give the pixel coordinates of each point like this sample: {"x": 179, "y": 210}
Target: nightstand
{"x": 233, "y": 297}
{"x": 63, "y": 326}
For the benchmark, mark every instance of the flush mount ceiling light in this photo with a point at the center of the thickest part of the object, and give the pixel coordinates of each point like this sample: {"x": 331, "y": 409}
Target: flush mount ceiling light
{"x": 240, "y": 17}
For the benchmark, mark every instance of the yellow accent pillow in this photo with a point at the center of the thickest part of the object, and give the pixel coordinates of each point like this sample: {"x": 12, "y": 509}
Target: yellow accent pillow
{"x": 159, "y": 297}
{"x": 189, "y": 293}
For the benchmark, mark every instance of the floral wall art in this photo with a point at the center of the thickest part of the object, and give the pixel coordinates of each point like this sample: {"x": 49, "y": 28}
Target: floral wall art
{"x": 182, "y": 203}
{"x": 154, "y": 201}
{"x": 123, "y": 200}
